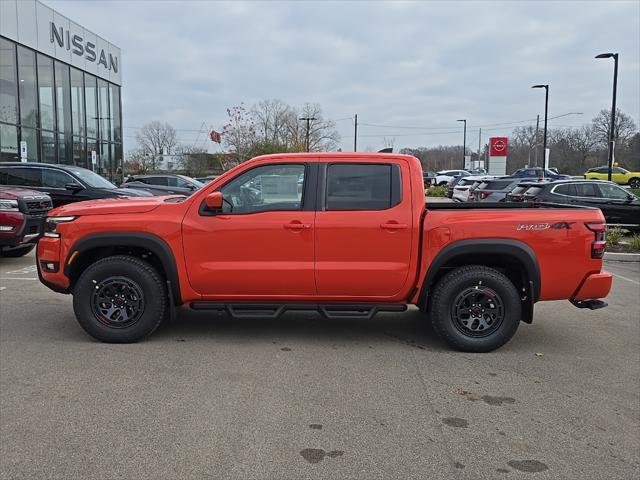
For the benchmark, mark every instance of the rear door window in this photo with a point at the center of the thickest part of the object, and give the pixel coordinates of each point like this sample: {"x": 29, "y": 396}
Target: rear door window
{"x": 362, "y": 187}
{"x": 23, "y": 177}
{"x": 586, "y": 190}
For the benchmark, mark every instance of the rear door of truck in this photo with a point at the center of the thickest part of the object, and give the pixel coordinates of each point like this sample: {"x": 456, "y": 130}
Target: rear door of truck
{"x": 364, "y": 228}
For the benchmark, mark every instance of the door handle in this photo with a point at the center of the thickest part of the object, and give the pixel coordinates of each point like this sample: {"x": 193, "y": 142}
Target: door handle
{"x": 394, "y": 226}
{"x": 297, "y": 226}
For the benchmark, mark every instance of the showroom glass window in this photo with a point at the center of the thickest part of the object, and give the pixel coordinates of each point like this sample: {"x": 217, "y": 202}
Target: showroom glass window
{"x": 77, "y": 102}
{"x": 46, "y": 93}
{"x": 91, "y": 97}
{"x": 63, "y": 97}
{"x": 27, "y": 91}
{"x": 8, "y": 82}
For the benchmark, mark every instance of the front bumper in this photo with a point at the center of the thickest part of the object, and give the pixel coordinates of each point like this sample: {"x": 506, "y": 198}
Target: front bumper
{"x": 27, "y": 229}
{"x": 596, "y": 285}
{"x": 49, "y": 251}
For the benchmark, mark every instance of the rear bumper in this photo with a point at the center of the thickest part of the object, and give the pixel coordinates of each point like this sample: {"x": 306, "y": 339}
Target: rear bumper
{"x": 596, "y": 285}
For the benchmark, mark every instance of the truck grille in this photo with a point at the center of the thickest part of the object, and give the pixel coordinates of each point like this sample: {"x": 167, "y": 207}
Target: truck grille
{"x": 36, "y": 206}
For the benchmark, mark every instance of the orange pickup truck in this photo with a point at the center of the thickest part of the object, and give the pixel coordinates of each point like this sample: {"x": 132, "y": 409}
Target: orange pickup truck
{"x": 344, "y": 234}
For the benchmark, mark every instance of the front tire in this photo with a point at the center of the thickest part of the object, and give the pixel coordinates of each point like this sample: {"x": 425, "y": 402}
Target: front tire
{"x": 120, "y": 299}
{"x": 475, "y": 309}
{"x": 15, "y": 252}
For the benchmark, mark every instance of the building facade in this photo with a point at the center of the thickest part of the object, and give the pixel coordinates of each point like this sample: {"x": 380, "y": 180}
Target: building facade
{"x": 60, "y": 91}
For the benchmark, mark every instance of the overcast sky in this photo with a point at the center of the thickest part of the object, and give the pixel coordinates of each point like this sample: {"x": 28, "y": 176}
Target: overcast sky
{"x": 396, "y": 64}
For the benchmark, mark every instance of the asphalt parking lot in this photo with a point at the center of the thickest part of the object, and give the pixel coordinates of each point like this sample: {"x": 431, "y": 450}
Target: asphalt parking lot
{"x": 304, "y": 397}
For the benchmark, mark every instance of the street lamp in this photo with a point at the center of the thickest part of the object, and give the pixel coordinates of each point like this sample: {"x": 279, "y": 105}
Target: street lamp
{"x": 612, "y": 141}
{"x": 464, "y": 142}
{"x": 545, "y": 160}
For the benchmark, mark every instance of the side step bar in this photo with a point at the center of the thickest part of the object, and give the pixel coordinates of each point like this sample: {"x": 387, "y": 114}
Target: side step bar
{"x": 274, "y": 310}
{"x": 590, "y": 304}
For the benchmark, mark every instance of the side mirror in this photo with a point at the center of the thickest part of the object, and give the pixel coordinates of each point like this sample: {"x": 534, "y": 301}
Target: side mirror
{"x": 214, "y": 201}
{"x": 74, "y": 187}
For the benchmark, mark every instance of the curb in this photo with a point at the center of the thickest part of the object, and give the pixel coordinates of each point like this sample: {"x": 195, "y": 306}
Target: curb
{"x": 622, "y": 257}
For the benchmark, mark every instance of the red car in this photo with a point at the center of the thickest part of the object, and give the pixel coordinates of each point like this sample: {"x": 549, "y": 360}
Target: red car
{"x": 343, "y": 234}
{"x": 22, "y": 214}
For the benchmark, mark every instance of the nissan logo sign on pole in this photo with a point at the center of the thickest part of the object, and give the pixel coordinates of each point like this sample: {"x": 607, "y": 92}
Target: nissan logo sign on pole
{"x": 498, "y": 150}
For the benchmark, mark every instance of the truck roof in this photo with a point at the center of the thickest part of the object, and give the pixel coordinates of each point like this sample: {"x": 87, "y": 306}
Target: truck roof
{"x": 339, "y": 156}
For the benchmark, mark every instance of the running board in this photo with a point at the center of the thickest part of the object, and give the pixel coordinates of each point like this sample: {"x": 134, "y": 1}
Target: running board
{"x": 274, "y": 310}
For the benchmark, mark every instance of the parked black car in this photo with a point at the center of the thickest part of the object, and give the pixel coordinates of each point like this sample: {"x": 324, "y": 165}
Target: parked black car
{"x": 620, "y": 207}
{"x": 538, "y": 172}
{"x": 163, "y": 184}
{"x": 63, "y": 183}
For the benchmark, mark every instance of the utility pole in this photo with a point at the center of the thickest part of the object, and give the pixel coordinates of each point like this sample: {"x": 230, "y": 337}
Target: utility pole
{"x": 535, "y": 143}
{"x": 355, "y": 134}
{"x": 464, "y": 143}
{"x": 479, "y": 141}
{"x": 308, "y": 120}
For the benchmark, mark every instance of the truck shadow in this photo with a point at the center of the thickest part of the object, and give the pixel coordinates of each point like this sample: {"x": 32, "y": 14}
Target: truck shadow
{"x": 411, "y": 328}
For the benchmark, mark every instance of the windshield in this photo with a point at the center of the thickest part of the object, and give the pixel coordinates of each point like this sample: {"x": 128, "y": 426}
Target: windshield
{"x": 91, "y": 179}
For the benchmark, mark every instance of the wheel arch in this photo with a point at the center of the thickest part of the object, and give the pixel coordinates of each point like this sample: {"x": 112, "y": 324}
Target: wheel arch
{"x": 514, "y": 258}
{"x": 149, "y": 247}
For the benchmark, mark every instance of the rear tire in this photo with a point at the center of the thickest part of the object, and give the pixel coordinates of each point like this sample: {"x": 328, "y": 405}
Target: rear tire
{"x": 120, "y": 299}
{"x": 634, "y": 183}
{"x": 16, "y": 252}
{"x": 475, "y": 309}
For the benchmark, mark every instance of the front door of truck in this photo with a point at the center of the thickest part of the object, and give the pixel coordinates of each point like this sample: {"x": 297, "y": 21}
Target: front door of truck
{"x": 262, "y": 243}
{"x": 364, "y": 230}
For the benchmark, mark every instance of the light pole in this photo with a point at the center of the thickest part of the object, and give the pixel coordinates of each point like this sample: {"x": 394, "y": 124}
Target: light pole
{"x": 544, "y": 141}
{"x": 612, "y": 140}
{"x": 464, "y": 141}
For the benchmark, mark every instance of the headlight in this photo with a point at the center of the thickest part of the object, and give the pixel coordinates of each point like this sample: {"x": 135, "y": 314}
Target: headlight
{"x": 51, "y": 225}
{"x": 7, "y": 205}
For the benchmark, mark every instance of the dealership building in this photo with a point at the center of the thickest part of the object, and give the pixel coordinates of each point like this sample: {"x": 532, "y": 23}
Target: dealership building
{"x": 60, "y": 84}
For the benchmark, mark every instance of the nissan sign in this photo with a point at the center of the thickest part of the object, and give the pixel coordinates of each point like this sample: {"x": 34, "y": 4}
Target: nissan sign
{"x": 78, "y": 46}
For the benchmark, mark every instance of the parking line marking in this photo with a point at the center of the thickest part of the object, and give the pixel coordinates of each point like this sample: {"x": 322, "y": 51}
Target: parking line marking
{"x": 17, "y": 278}
{"x": 625, "y": 278}
{"x": 3, "y": 288}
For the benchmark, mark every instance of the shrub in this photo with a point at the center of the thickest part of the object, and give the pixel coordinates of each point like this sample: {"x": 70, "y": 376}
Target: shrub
{"x": 436, "y": 191}
{"x": 614, "y": 235}
{"x": 635, "y": 242}
{"x": 635, "y": 191}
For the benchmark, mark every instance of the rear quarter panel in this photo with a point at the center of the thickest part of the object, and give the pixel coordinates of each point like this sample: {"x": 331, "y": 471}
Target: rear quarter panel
{"x": 563, "y": 254}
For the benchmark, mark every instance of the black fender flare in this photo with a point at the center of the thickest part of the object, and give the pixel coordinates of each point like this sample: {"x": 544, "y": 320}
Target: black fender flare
{"x": 515, "y": 249}
{"x": 154, "y": 244}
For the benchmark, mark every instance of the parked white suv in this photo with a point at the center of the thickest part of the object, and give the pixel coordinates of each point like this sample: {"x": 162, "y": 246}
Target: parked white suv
{"x": 445, "y": 176}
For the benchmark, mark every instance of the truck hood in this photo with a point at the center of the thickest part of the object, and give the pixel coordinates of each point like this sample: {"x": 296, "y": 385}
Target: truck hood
{"x": 110, "y": 206}
{"x": 13, "y": 193}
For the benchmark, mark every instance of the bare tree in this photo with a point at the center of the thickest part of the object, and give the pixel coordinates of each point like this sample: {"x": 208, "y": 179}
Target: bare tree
{"x": 239, "y": 134}
{"x": 323, "y": 135}
{"x": 137, "y": 162}
{"x": 270, "y": 119}
{"x": 623, "y": 129}
{"x": 155, "y": 139}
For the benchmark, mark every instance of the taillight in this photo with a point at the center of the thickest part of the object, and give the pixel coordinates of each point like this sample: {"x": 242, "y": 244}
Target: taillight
{"x": 450, "y": 185}
{"x": 600, "y": 241}
{"x": 483, "y": 195}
